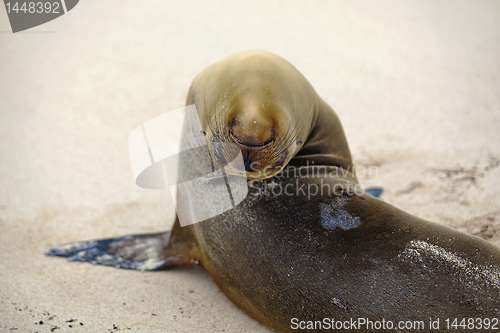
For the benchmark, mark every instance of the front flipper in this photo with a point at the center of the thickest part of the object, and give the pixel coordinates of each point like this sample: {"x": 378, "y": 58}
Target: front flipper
{"x": 142, "y": 252}
{"x": 147, "y": 252}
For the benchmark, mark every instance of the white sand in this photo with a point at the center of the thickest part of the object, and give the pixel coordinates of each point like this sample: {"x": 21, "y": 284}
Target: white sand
{"x": 416, "y": 84}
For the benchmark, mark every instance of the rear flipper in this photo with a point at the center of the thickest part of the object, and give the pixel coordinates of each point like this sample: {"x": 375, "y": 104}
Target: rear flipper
{"x": 375, "y": 191}
{"x": 142, "y": 252}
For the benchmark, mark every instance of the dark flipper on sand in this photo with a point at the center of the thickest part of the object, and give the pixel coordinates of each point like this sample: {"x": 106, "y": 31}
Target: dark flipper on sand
{"x": 142, "y": 252}
{"x": 147, "y": 252}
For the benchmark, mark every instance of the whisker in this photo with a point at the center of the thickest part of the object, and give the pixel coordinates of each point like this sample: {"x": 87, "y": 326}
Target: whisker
{"x": 207, "y": 118}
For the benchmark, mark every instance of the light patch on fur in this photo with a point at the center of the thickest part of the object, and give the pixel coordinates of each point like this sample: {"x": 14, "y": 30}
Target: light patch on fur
{"x": 426, "y": 254}
{"x": 334, "y": 216}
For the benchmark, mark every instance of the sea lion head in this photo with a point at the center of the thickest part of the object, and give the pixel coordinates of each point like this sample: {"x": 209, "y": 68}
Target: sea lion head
{"x": 263, "y": 132}
{"x": 257, "y": 104}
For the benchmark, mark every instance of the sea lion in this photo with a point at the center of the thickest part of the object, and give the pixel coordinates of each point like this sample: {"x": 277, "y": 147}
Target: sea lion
{"x": 305, "y": 249}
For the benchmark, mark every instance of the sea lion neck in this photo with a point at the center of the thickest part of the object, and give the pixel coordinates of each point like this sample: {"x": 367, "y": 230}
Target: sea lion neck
{"x": 326, "y": 143}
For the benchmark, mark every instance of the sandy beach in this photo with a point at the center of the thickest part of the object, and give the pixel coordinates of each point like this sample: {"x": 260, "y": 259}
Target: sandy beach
{"x": 416, "y": 85}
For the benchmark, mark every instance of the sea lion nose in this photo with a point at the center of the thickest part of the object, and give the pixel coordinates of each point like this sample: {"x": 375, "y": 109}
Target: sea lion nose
{"x": 252, "y": 132}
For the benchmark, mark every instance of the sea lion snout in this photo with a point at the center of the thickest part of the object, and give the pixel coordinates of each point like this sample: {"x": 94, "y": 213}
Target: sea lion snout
{"x": 252, "y": 133}
{"x": 252, "y": 137}
{"x": 254, "y": 130}
{"x": 253, "y": 142}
